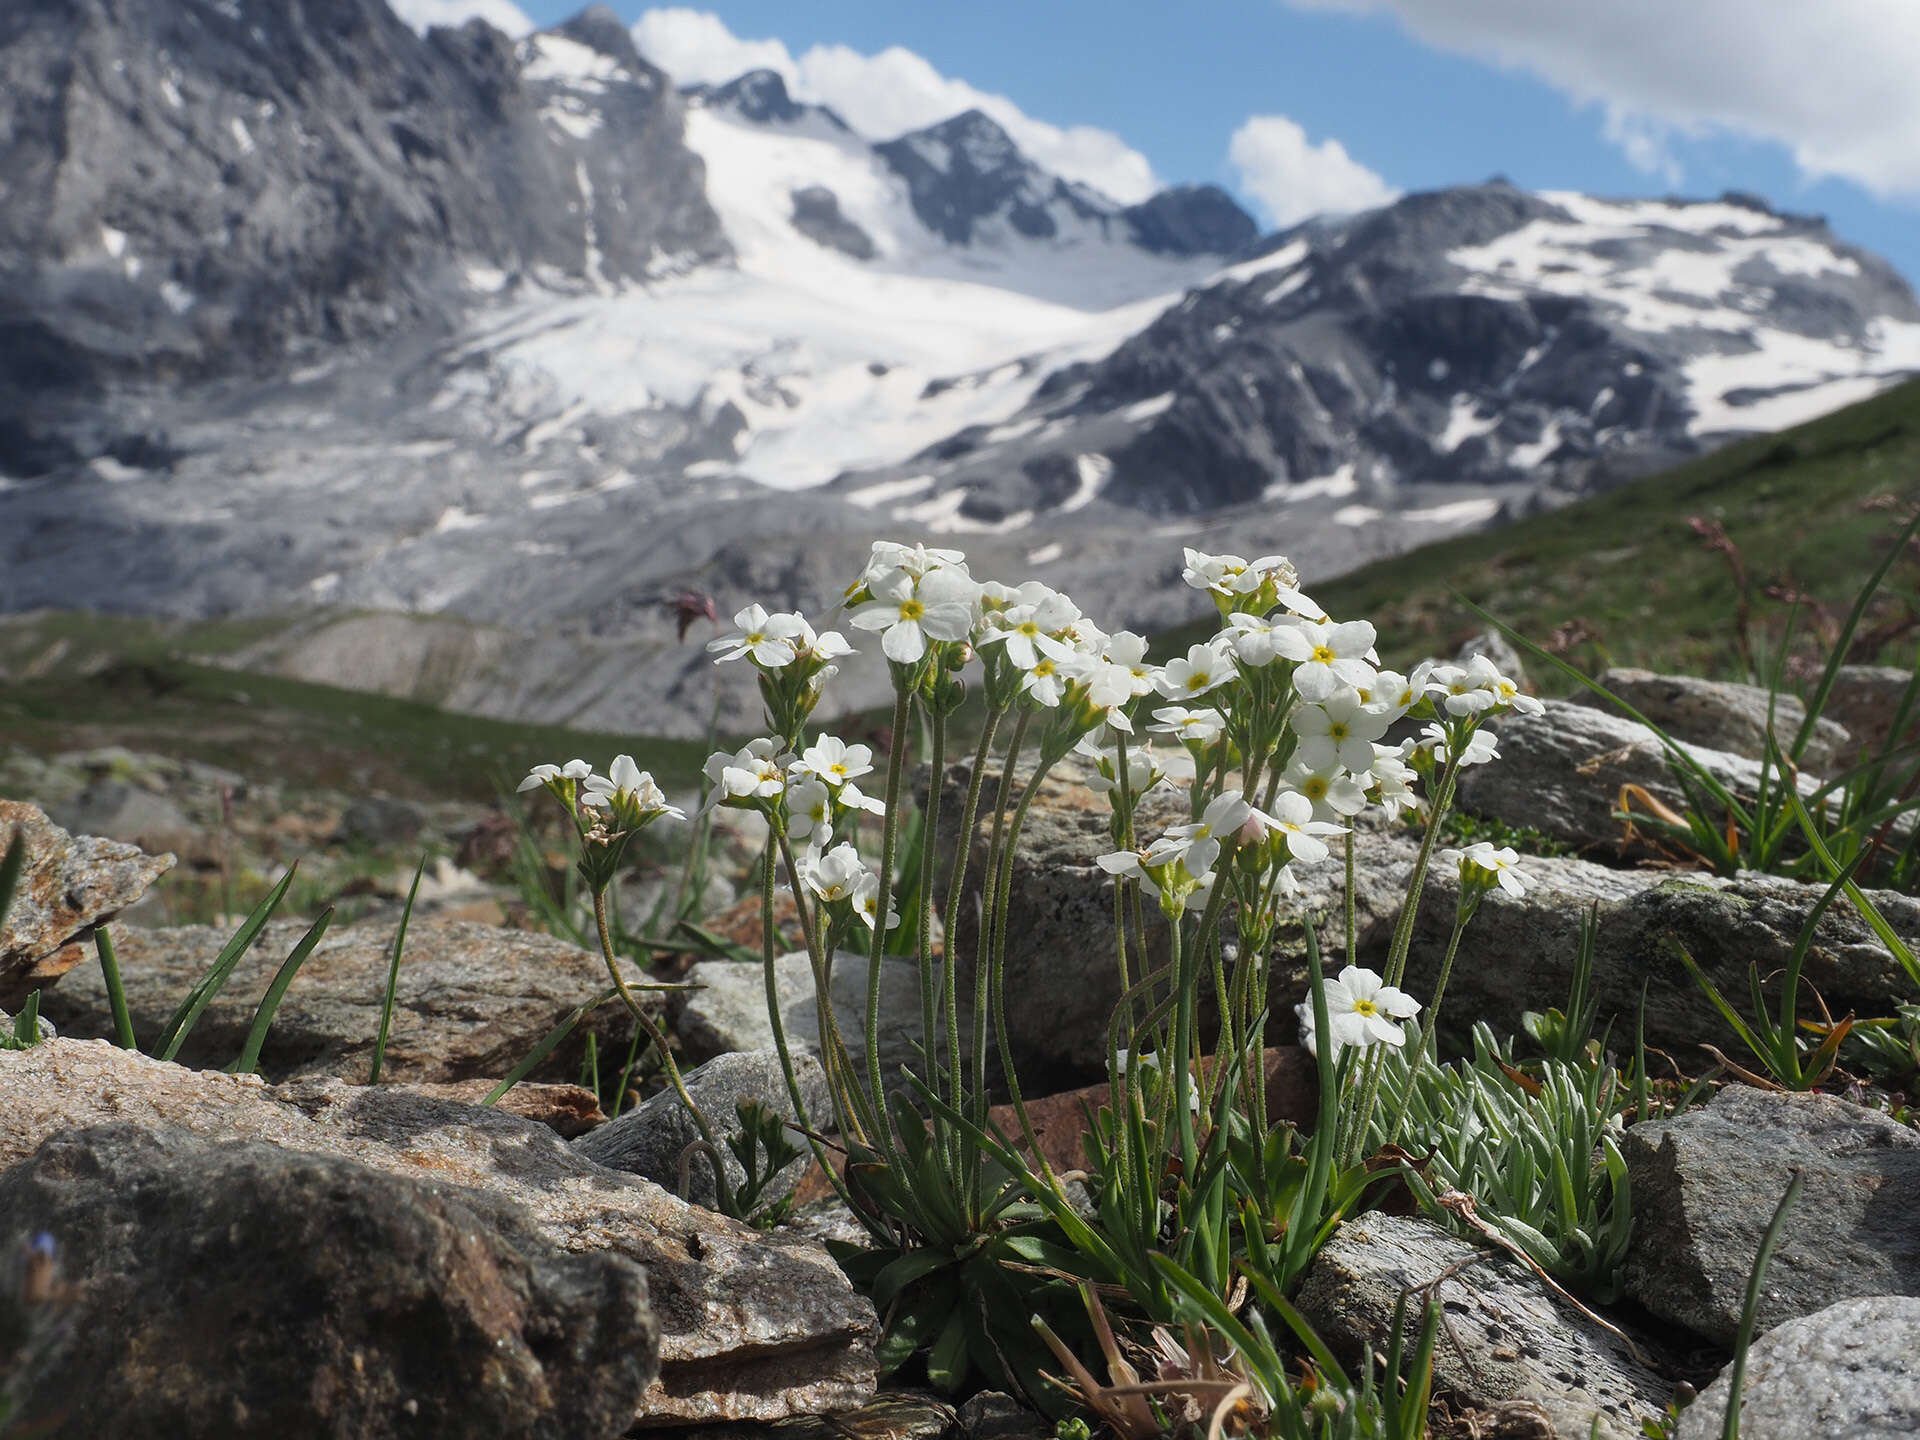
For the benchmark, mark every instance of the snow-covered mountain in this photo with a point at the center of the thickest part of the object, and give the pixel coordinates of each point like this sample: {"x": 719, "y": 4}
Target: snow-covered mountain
{"x": 301, "y": 313}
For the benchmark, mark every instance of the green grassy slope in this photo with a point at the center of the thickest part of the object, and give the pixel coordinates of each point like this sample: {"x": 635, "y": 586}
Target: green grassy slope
{"x": 71, "y": 680}
{"x": 1812, "y": 508}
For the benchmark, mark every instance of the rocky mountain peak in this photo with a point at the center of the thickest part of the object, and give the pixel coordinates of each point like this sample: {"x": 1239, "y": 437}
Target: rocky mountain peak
{"x": 604, "y": 32}
{"x": 1191, "y": 220}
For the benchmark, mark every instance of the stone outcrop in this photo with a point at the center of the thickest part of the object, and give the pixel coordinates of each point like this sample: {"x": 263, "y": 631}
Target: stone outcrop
{"x": 235, "y": 1288}
{"x": 1849, "y": 1372}
{"x": 472, "y": 1000}
{"x": 1723, "y": 715}
{"x": 69, "y": 885}
{"x": 752, "y": 1326}
{"x": 1508, "y": 1338}
{"x": 1705, "y": 1185}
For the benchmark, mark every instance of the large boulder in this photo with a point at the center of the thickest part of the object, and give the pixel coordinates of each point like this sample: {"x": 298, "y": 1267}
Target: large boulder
{"x": 472, "y": 1000}
{"x": 651, "y": 1139}
{"x": 236, "y": 1288}
{"x": 69, "y": 886}
{"x": 1562, "y": 773}
{"x": 1867, "y": 700}
{"x": 1518, "y": 955}
{"x": 1849, "y": 1372}
{"x": 752, "y": 1326}
{"x": 1705, "y": 1186}
{"x": 1508, "y": 1338}
{"x": 1723, "y": 715}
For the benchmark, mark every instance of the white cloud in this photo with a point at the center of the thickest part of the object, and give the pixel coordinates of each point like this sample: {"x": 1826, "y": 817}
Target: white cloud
{"x": 887, "y": 94}
{"x": 1831, "y": 80}
{"x": 1294, "y": 178}
{"x": 501, "y": 14}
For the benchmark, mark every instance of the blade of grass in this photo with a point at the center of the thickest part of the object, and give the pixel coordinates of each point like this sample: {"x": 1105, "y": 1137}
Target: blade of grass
{"x": 26, "y": 1025}
{"x": 1736, "y": 1377}
{"x": 393, "y": 976}
{"x": 547, "y": 1045}
{"x": 249, "y": 1056}
{"x": 1817, "y": 701}
{"x": 211, "y": 984}
{"x": 116, "y": 992}
{"x": 1868, "y": 911}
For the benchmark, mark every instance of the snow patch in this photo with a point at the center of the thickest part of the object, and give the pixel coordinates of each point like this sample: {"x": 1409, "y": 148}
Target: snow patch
{"x": 1046, "y": 554}
{"x": 1092, "y": 472}
{"x": 1464, "y": 422}
{"x": 1336, "y": 486}
{"x": 1532, "y": 453}
{"x": 1356, "y": 515}
{"x": 114, "y": 241}
{"x": 871, "y": 495}
{"x": 242, "y": 136}
{"x": 1143, "y": 410}
{"x": 1456, "y": 512}
{"x": 177, "y": 297}
{"x": 454, "y": 518}
{"x": 171, "y": 92}
{"x": 941, "y": 516}
{"x": 568, "y": 62}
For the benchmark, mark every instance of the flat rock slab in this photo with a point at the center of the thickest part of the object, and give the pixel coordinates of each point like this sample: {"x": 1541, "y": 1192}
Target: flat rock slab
{"x": 1849, "y": 1372}
{"x": 70, "y": 884}
{"x": 1511, "y": 1338}
{"x": 1562, "y": 772}
{"x": 1705, "y": 1186}
{"x": 472, "y": 1000}
{"x": 1722, "y": 715}
{"x": 567, "y": 1110}
{"x": 232, "y": 1288}
{"x": 752, "y": 1326}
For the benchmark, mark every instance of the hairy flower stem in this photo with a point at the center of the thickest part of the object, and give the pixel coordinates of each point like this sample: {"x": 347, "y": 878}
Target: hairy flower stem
{"x": 1183, "y": 985}
{"x": 1431, "y": 1026}
{"x": 930, "y": 983}
{"x": 949, "y": 968}
{"x": 659, "y": 1040}
{"x": 780, "y": 1045}
{"x": 1397, "y": 956}
{"x": 982, "y": 947}
{"x": 1004, "y": 892}
{"x": 835, "y": 1058}
{"x": 1353, "y": 946}
{"x": 889, "y": 838}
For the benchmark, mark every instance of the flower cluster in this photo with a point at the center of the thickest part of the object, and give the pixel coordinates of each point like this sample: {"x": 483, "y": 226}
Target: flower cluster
{"x": 607, "y": 810}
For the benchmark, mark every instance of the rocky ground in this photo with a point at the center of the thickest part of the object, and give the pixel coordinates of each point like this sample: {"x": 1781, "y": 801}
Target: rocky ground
{"x": 396, "y": 1259}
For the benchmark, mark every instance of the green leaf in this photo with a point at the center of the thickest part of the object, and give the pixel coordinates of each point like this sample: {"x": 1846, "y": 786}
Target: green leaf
{"x": 116, "y": 992}
{"x": 947, "y": 1360}
{"x": 270, "y": 1002}
{"x": 547, "y": 1046}
{"x": 211, "y": 984}
{"x": 393, "y": 976}
{"x": 899, "y": 1274}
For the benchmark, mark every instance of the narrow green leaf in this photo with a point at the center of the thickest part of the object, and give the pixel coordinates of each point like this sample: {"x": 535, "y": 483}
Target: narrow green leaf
{"x": 249, "y": 1056}
{"x": 211, "y": 984}
{"x": 1749, "y": 1311}
{"x": 116, "y": 992}
{"x": 393, "y": 976}
{"x": 548, "y": 1045}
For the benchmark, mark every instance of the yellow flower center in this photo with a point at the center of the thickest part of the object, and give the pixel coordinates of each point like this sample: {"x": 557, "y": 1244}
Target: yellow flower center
{"x": 1365, "y": 1007}
{"x": 911, "y": 609}
{"x": 1198, "y": 680}
{"x": 1336, "y": 731}
{"x": 1323, "y": 655}
{"x": 1315, "y": 788}
{"x": 1045, "y": 667}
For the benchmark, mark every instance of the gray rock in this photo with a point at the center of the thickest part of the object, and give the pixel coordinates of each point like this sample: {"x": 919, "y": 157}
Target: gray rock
{"x": 121, "y": 811}
{"x": 236, "y": 1288}
{"x": 472, "y": 1000}
{"x": 651, "y": 1139}
{"x": 1867, "y": 698}
{"x": 817, "y": 215}
{"x": 69, "y": 885}
{"x": 1849, "y": 1372}
{"x": 730, "y": 1013}
{"x": 1508, "y": 1338}
{"x": 752, "y": 1326}
{"x": 1705, "y": 1185}
{"x": 380, "y": 821}
{"x": 1562, "y": 774}
{"x": 1518, "y": 955}
{"x": 1722, "y": 715}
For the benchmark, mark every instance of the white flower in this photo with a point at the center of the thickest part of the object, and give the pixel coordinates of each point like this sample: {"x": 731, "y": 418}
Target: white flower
{"x": 1252, "y": 636}
{"x": 1331, "y": 791}
{"x": 1143, "y": 773}
{"x": 810, "y": 811}
{"x": 1203, "y": 668}
{"x": 1339, "y": 730}
{"x": 1109, "y": 684}
{"x": 1482, "y": 672}
{"x": 1030, "y": 630}
{"x": 769, "y": 639}
{"x": 866, "y": 902}
{"x": 1479, "y": 749}
{"x": 1190, "y": 727}
{"x": 628, "y": 788}
{"x": 834, "y": 875}
{"x": 1130, "y": 650}
{"x": 753, "y": 772}
{"x": 1231, "y": 575}
{"x": 887, "y": 560}
{"x": 1328, "y": 656}
{"x": 1044, "y": 684}
{"x": 1198, "y": 844}
{"x": 1393, "y": 779}
{"x": 1484, "y": 866}
{"x": 1361, "y": 1010}
{"x": 1293, "y": 817}
{"x": 548, "y": 774}
{"x": 939, "y": 606}
{"x": 835, "y": 761}
{"x": 851, "y": 798}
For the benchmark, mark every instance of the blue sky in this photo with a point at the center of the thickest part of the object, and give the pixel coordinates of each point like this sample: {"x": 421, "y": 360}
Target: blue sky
{"x": 1811, "y": 106}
